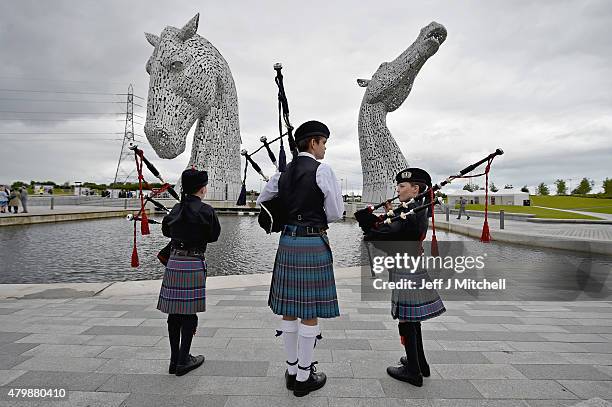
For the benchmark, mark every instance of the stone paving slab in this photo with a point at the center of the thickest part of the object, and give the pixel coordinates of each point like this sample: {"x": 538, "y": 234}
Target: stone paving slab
{"x": 563, "y": 372}
{"x": 65, "y": 380}
{"x": 77, "y": 398}
{"x": 162, "y": 400}
{"x": 114, "y": 352}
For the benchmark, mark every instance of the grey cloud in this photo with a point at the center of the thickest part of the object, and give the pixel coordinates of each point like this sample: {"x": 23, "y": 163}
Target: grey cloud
{"x": 525, "y": 76}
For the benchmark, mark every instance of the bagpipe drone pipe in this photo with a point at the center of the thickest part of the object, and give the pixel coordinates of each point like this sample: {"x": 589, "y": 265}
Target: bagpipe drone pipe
{"x": 141, "y": 215}
{"x": 272, "y": 215}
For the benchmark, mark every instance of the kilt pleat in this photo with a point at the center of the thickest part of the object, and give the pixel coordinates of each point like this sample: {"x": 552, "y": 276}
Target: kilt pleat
{"x": 415, "y": 304}
{"x": 303, "y": 283}
{"x": 183, "y": 289}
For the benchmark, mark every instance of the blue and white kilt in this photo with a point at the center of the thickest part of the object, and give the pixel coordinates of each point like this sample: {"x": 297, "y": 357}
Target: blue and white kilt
{"x": 415, "y": 304}
{"x": 303, "y": 283}
{"x": 183, "y": 289}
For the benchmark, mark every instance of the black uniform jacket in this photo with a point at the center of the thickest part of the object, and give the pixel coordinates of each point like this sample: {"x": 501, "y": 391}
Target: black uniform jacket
{"x": 192, "y": 223}
{"x": 413, "y": 228}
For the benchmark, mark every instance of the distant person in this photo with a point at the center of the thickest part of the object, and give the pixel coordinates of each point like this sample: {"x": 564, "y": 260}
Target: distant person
{"x": 13, "y": 201}
{"x": 4, "y": 198}
{"x": 23, "y": 194}
{"x": 462, "y": 203}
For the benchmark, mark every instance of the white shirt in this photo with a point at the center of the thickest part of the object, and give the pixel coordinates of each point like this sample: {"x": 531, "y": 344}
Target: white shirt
{"x": 326, "y": 181}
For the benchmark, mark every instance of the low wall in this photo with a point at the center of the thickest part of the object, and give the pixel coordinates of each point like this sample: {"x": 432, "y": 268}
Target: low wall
{"x": 563, "y": 243}
{"x": 64, "y": 217}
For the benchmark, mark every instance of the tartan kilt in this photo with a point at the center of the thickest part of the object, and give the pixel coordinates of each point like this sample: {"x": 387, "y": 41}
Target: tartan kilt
{"x": 183, "y": 289}
{"x": 415, "y": 304}
{"x": 303, "y": 283}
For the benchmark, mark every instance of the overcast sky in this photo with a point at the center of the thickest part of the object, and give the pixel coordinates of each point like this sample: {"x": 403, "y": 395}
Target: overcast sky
{"x": 533, "y": 78}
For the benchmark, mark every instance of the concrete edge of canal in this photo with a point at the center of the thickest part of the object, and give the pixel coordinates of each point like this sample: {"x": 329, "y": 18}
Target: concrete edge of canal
{"x": 65, "y": 216}
{"x": 140, "y": 287}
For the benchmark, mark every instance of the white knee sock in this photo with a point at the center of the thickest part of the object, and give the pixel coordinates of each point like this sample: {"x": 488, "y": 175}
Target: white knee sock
{"x": 290, "y": 338}
{"x": 306, "y": 342}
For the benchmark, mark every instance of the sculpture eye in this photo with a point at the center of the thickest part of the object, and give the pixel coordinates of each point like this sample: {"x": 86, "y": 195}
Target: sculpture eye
{"x": 176, "y": 66}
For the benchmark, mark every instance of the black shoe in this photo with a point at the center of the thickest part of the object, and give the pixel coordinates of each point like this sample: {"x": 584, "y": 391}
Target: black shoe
{"x": 315, "y": 382}
{"x": 172, "y": 368}
{"x": 423, "y": 365}
{"x": 193, "y": 362}
{"x": 458, "y": 218}
{"x": 290, "y": 380}
{"x": 404, "y": 374}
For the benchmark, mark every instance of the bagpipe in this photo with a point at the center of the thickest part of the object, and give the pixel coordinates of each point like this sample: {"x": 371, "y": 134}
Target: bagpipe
{"x": 283, "y": 120}
{"x": 272, "y": 215}
{"x": 426, "y": 201}
{"x": 141, "y": 215}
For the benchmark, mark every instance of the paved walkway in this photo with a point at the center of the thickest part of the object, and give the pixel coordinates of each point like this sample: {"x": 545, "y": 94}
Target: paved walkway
{"x": 606, "y": 216}
{"x": 551, "y": 230}
{"x": 591, "y": 238}
{"x": 111, "y": 350}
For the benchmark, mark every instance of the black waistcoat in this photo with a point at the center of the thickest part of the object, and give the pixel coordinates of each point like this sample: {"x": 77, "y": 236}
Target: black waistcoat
{"x": 303, "y": 198}
{"x": 192, "y": 223}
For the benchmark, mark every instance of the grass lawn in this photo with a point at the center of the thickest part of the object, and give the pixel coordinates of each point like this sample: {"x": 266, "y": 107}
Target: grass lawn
{"x": 538, "y": 212}
{"x": 599, "y": 205}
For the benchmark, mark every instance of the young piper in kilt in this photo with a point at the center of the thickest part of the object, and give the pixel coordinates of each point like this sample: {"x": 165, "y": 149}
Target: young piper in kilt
{"x": 410, "y": 306}
{"x": 191, "y": 225}
{"x": 303, "y": 284}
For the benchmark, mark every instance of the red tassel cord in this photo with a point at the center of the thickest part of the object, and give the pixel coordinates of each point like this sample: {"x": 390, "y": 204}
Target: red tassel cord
{"x": 144, "y": 224}
{"x": 135, "y": 261}
{"x": 434, "y": 240}
{"x": 142, "y": 214}
{"x": 486, "y": 235}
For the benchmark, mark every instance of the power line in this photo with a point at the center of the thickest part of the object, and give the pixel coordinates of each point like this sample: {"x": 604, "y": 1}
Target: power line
{"x": 101, "y": 113}
{"x": 66, "y": 101}
{"x": 66, "y": 139}
{"x": 30, "y": 119}
{"x": 66, "y": 92}
{"x": 61, "y": 132}
{"x": 59, "y": 91}
{"x": 74, "y": 132}
{"x": 56, "y": 80}
{"x": 23, "y": 112}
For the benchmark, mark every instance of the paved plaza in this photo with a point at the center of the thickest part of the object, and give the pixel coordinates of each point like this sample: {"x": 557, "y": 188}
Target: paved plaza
{"x": 111, "y": 349}
{"x": 577, "y": 232}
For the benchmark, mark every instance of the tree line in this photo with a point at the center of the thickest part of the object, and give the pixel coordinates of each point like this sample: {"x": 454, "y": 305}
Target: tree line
{"x": 584, "y": 187}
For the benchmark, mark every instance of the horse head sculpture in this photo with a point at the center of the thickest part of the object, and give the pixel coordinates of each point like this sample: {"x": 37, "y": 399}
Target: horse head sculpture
{"x": 388, "y": 88}
{"x": 190, "y": 80}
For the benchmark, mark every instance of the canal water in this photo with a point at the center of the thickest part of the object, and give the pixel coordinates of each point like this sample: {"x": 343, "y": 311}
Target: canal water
{"x": 100, "y": 251}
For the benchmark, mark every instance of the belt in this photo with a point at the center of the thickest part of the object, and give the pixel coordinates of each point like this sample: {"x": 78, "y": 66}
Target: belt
{"x": 301, "y": 231}
{"x": 188, "y": 252}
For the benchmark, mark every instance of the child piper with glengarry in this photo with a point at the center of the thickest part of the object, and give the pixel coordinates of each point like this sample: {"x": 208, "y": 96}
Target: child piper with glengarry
{"x": 409, "y": 306}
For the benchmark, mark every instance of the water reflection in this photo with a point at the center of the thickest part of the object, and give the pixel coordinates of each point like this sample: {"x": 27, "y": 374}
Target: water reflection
{"x": 100, "y": 250}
